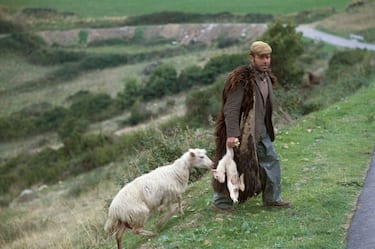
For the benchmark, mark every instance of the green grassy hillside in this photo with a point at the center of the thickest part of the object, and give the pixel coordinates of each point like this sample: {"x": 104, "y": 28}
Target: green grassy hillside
{"x": 324, "y": 160}
{"x": 324, "y": 155}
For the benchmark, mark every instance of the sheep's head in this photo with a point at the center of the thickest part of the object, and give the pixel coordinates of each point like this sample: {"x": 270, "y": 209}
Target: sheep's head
{"x": 199, "y": 159}
{"x": 219, "y": 175}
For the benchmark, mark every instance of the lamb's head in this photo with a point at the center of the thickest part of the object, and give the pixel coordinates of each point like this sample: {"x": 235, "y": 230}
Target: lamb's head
{"x": 219, "y": 172}
{"x": 199, "y": 159}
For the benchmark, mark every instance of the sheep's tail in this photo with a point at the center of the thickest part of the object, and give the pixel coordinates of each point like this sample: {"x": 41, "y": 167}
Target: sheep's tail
{"x": 111, "y": 224}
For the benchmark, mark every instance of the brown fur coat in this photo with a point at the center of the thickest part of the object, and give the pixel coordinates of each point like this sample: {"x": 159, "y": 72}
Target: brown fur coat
{"x": 245, "y": 156}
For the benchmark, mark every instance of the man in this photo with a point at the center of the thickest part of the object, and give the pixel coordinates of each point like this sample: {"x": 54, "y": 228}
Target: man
{"x": 246, "y": 114}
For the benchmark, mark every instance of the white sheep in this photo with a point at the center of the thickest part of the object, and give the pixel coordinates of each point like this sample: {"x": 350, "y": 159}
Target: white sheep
{"x": 227, "y": 166}
{"x": 161, "y": 187}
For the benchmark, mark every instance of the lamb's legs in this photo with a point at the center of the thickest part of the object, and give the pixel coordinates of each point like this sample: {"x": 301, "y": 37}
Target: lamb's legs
{"x": 119, "y": 234}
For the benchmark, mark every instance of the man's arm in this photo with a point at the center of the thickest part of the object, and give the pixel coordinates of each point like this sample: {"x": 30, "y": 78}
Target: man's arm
{"x": 232, "y": 108}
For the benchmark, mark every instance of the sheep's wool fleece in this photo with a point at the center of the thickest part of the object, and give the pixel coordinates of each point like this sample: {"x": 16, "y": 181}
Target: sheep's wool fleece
{"x": 245, "y": 156}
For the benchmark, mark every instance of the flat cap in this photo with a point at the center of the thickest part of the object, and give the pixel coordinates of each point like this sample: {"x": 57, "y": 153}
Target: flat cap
{"x": 259, "y": 48}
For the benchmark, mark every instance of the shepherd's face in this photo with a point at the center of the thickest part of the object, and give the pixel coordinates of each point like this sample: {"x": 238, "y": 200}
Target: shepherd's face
{"x": 261, "y": 62}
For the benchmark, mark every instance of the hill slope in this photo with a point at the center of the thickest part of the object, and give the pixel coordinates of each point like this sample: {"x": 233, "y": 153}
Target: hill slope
{"x": 324, "y": 159}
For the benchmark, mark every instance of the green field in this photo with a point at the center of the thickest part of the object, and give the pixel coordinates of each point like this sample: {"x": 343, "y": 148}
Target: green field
{"x": 96, "y": 8}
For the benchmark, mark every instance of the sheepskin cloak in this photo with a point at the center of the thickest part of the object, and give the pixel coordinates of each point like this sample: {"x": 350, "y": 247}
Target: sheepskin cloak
{"x": 245, "y": 156}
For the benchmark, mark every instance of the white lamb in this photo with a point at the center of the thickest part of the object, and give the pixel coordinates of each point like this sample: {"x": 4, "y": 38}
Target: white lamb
{"x": 161, "y": 187}
{"x": 227, "y": 166}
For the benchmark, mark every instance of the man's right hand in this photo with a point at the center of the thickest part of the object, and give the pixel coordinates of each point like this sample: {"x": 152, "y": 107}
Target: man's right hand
{"x": 232, "y": 142}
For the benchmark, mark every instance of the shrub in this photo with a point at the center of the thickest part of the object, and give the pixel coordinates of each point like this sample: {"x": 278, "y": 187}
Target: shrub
{"x": 102, "y": 61}
{"x": 223, "y": 41}
{"x": 202, "y": 105}
{"x": 93, "y": 107}
{"x": 9, "y": 26}
{"x": 221, "y": 64}
{"x": 286, "y": 46}
{"x": 190, "y": 76}
{"x": 48, "y": 56}
{"x": 162, "y": 81}
{"x": 24, "y": 43}
{"x": 131, "y": 93}
{"x": 70, "y": 132}
{"x": 138, "y": 113}
{"x": 346, "y": 58}
{"x": 368, "y": 34}
{"x": 82, "y": 37}
{"x": 182, "y": 17}
{"x": 51, "y": 119}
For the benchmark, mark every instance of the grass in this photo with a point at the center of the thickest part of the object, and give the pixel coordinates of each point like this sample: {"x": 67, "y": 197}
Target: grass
{"x": 15, "y": 70}
{"x": 324, "y": 159}
{"x": 359, "y": 21}
{"x": 109, "y": 80}
{"x": 97, "y": 8}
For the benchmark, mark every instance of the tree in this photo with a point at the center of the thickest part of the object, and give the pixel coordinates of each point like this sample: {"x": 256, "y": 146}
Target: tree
{"x": 286, "y": 47}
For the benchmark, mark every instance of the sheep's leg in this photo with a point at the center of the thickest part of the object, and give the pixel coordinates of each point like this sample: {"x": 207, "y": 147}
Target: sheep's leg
{"x": 119, "y": 234}
{"x": 179, "y": 198}
{"x": 141, "y": 231}
{"x": 170, "y": 212}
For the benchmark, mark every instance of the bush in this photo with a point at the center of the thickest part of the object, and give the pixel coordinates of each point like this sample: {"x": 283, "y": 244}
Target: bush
{"x": 24, "y": 43}
{"x": 223, "y": 41}
{"x": 102, "y": 61}
{"x": 138, "y": 113}
{"x": 368, "y": 34}
{"x": 131, "y": 93}
{"x": 82, "y": 37}
{"x": 189, "y": 77}
{"x": 162, "y": 81}
{"x": 221, "y": 64}
{"x": 182, "y": 17}
{"x": 9, "y": 26}
{"x": 202, "y": 105}
{"x": 93, "y": 107}
{"x": 48, "y": 56}
{"x": 51, "y": 119}
{"x": 346, "y": 58}
{"x": 72, "y": 129}
{"x": 286, "y": 46}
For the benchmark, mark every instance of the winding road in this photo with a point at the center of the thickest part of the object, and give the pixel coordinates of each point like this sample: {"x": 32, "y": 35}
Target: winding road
{"x": 312, "y": 33}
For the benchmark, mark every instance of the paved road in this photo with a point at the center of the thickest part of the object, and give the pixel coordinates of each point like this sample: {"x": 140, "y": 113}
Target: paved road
{"x": 361, "y": 231}
{"x": 332, "y": 39}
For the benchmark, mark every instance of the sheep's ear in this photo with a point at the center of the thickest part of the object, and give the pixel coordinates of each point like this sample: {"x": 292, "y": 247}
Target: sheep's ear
{"x": 192, "y": 153}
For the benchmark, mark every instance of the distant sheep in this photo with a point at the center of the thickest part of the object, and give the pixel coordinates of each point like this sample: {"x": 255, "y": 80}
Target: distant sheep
{"x": 227, "y": 167}
{"x": 161, "y": 187}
